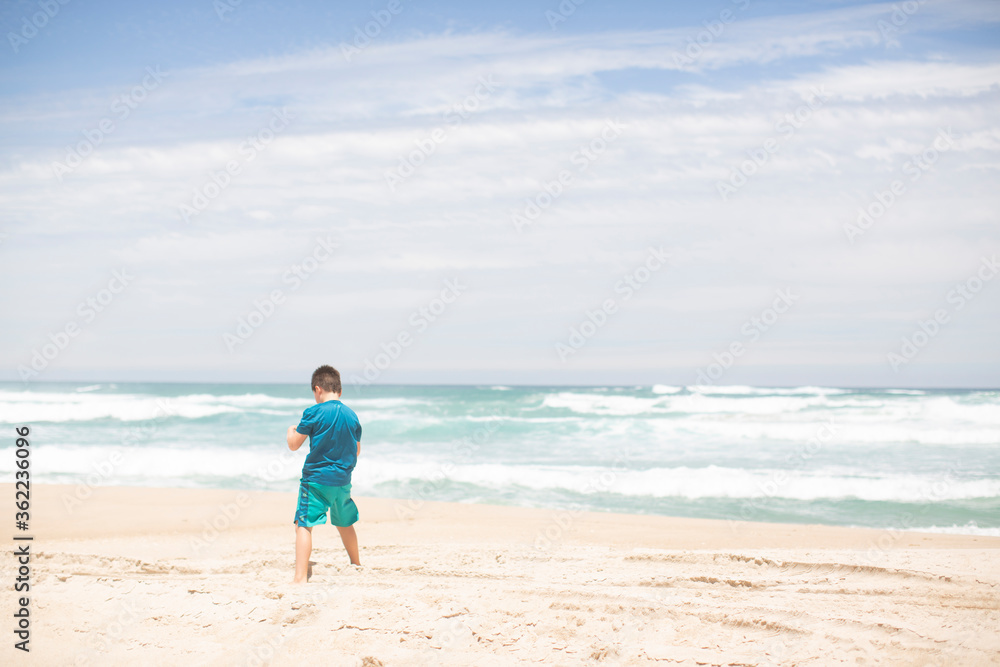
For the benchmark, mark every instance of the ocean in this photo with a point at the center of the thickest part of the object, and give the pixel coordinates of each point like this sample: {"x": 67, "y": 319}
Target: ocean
{"x": 885, "y": 458}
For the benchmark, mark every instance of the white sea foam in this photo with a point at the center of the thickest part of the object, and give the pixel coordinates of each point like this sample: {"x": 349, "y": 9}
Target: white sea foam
{"x": 244, "y": 400}
{"x": 87, "y": 407}
{"x": 834, "y": 433}
{"x": 690, "y": 483}
{"x": 384, "y": 403}
{"x": 946, "y": 410}
{"x": 734, "y": 390}
{"x": 157, "y": 462}
{"x": 36, "y": 407}
{"x": 152, "y": 463}
{"x": 860, "y": 419}
{"x": 692, "y": 404}
{"x": 762, "y": 405}
{"x": 968, "y": 529}
{"x": 601, "y": 404}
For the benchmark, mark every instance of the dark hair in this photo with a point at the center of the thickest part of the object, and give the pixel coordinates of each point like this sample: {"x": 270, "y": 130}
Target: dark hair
{"x": 327, "y": 378}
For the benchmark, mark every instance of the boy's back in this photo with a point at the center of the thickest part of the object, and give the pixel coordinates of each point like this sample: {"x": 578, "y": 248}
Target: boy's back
{"x": 334, "y": 433}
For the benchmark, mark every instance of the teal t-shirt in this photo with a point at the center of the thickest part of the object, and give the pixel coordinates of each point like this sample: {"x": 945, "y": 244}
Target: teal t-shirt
{"x": 334, "y": 433}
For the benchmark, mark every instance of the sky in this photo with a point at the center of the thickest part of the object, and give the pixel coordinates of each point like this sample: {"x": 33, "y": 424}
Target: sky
{"x": 586, "y": 192}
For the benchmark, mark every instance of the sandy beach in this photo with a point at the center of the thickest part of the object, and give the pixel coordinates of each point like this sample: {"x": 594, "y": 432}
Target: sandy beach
{"x": 202, "y": 577}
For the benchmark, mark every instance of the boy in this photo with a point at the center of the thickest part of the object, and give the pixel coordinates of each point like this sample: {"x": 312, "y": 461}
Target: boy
{"x": 334, "y": 434}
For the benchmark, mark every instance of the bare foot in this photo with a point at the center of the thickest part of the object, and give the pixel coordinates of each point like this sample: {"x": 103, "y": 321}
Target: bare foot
{"x": 309, "y": 574}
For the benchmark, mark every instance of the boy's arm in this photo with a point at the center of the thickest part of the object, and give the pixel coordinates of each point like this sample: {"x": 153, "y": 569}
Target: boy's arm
{"x": 359, "y": 448}
{"x": 294, "y": 438}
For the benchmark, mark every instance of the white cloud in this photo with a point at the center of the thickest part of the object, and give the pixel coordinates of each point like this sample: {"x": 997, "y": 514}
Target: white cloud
{"x": 655, "y": 184}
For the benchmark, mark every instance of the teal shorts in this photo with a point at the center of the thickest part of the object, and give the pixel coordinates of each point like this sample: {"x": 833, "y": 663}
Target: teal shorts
{"x": 315, "y": 500}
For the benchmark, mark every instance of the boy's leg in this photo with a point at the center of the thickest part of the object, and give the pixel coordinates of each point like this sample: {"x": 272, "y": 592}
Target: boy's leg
{"x": 350, "y": 539}
{"x": 303, "y": 549}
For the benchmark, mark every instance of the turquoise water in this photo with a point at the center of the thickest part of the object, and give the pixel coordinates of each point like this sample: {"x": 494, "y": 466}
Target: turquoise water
{"x": 912, "y": 459}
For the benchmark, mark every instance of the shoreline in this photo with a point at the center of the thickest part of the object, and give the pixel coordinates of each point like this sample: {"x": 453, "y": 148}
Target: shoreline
{"x": 180, "y": 576}
{"x": 58, "y": 512}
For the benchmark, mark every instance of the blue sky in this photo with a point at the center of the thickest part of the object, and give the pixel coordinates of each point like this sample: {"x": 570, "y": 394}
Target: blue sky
{"x": 742, "y": 139}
